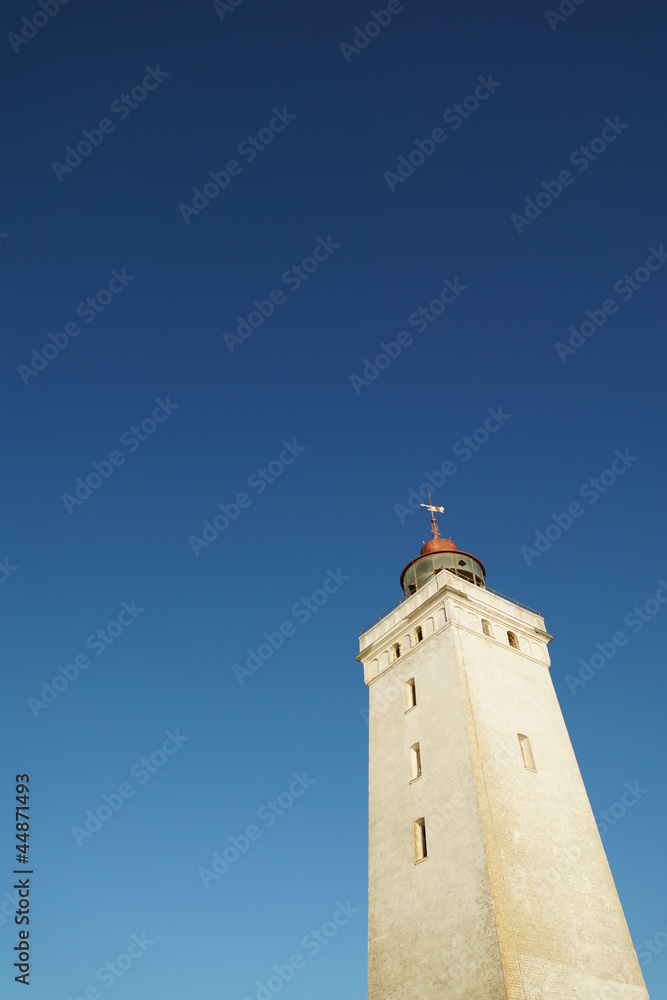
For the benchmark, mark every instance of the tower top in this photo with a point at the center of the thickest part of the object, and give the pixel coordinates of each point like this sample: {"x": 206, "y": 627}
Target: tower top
{"x": 439, "y": 554}
{"x": 434, "y": 511}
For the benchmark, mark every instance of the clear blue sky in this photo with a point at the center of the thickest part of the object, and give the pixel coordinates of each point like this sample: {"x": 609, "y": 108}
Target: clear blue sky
{"x": 211, "y": 411}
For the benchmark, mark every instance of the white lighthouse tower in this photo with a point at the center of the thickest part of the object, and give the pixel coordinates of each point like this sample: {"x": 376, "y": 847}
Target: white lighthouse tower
{"x": 487, "y": 876}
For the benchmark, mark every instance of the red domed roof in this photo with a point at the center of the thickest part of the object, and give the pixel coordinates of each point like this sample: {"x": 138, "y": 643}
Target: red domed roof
{"x": 438, "y": 545}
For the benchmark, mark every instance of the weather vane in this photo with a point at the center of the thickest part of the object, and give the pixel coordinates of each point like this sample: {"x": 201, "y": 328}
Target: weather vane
{"x": 434, "y": 510}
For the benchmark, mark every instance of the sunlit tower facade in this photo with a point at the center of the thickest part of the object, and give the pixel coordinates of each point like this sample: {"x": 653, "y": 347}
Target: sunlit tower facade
{"x": 487, "y": 876}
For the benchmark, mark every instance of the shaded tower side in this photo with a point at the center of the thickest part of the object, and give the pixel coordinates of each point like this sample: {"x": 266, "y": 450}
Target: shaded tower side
{"x": 559, "y": 913}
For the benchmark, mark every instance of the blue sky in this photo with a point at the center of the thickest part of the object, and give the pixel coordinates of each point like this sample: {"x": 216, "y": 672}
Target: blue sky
{"x": 182, "y": 406}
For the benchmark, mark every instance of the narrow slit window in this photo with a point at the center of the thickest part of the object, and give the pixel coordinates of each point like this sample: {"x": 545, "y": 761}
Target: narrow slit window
{"x": 395, "y": 652}
{"x": 410, "y": 695}
{"x": 486, "y": 628}
{"x": 512, "y": 639}
{"x": 418, "y": 635}
{"x": 415, "y": 762}
{"x": 527, "y": 752}
{"x": 420, "y": 840}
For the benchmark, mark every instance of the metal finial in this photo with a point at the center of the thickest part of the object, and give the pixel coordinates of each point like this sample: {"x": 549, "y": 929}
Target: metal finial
{"x": 434, "y": 510}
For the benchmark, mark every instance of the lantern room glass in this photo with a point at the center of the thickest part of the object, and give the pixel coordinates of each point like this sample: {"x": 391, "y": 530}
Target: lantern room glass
{"x": 424, "y": 568}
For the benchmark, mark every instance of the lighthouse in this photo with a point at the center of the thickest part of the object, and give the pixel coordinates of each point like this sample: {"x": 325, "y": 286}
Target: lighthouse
{"x": 487, "y": 876}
